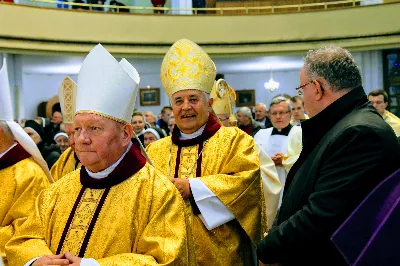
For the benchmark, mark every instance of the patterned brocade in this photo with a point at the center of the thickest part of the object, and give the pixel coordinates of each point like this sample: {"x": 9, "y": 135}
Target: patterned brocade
{"x": 64, "y": 165}
{"x": 230, "y": 168}
{"x": 141, "y": 222}
{"x": 20, "y": 184}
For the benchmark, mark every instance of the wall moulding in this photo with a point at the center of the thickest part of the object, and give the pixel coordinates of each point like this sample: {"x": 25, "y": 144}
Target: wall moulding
{"x": 34, "y": 30}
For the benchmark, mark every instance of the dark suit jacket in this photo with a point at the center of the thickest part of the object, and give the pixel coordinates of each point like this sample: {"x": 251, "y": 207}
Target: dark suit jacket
{"x": 347, "y": 150}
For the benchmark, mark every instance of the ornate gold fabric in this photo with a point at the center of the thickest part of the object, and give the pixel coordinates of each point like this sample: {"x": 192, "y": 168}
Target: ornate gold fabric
{"x": 141, "y": 222}
{"x": 21, "y": 183}
{"x": 224, "y": 98}
{"x": 230, "y": 168}
{"x": 67, "y": 96}
{"x": 393, "y": 121}
{"x": 187, "y": 67}
{"x": 64, "y": 165}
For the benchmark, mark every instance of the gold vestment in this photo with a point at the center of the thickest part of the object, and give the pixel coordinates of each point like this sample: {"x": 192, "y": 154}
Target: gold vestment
{"x": 230, "y": 169}
{"x": 65, "y": 164}
{"x": 21, "y": 183}
{"x": 138, "y": 221}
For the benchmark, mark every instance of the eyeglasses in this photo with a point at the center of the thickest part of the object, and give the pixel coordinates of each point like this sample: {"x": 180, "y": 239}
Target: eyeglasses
{"x": 300, "y": 89}
{"x": 280, "y": 114}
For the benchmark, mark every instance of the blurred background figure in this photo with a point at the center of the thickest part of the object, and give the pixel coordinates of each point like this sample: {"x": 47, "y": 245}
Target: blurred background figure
{"x": 298, "y": 112}
{"x": 379, "y": 99}
{"x": 61, "y": 139}
{"x": 166, "y": 112}
{"x": 171, "y": 124}
{"x": 261, "y": 115}
{"x": 151, "y": 135}
{"x": 246, "y": 122}
{"x": 158, "y": 3}
{"x": 138, "y": 123}
{"x": 54, "y": 127}
{"x": 50, "y": 152}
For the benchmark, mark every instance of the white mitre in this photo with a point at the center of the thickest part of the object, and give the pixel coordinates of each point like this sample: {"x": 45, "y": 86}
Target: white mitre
{"x": 106, "y": 87}
{"x": 6, "y": 114}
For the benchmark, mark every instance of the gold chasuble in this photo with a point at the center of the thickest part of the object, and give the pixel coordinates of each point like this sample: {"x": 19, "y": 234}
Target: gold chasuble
{"x": 226, "y": 161}
{"x": 67, "y": 163}
{"x": 22, "y": 179}
{"x": 134, "y": 216}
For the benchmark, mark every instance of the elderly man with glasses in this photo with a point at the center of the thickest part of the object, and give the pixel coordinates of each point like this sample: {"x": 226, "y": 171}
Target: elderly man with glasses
{"x": 347, "y": 150}
{"x": 282, "y": 141}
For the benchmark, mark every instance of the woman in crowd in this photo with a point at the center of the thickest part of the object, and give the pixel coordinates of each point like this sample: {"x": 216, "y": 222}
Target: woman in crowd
{"x": 50, "y": 152}
{"x": 152, "y": 135}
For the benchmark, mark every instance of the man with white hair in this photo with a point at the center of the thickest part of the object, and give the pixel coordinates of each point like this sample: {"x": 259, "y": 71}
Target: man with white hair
{"x": 282, "y": 141}
{"x": 116, "y": 209}
{"x": 23, "y": 171}
{"x": 68, "y": 161}
{"x": 216, "y": 169}
{"x": 246, "y": 121}
{"x": 261, "y": 115}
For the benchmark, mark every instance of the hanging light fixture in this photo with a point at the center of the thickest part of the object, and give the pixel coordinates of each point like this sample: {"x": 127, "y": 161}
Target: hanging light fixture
{"x": 271, "y": 85}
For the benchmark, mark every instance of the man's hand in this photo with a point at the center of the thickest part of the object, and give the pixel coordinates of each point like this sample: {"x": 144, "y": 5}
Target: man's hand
{"x": 182, "y": 185}
{"x": 74, "y": 260}
{"x": 277, "y": 158}
{"x": 51, "y": 260}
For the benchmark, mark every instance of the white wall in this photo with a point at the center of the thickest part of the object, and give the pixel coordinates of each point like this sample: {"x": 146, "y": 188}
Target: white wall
{"x": 36, "y": 87}
{"x": 39, "y": 88}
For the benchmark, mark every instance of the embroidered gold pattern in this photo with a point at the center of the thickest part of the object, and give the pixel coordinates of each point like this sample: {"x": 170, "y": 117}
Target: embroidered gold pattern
{"x": 81, "y": 221}
{"x": 186, "y": 66}
{"x": 68, "y": 100}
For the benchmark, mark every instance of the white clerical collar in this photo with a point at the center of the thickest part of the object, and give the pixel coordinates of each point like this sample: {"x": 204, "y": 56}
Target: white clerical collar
{"x": 141, "y": 132}
{"x": 12, "y": 146}
{"x": 193, "y": 135}
{"x": 107, "y": 171}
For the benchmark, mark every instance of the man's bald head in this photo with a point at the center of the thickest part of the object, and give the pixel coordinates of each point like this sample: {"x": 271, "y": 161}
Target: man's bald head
{"x": 260, "y": 111}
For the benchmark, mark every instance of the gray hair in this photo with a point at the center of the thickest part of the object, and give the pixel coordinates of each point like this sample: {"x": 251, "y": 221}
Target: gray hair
{"x": 334, "y": 64}
{"x": 279, "y": 100}
{"x": 6, "y": 130}
{"x": 245, "y": 112}
{"x": 152, "y": 114}
{"x": 263, "y": 105}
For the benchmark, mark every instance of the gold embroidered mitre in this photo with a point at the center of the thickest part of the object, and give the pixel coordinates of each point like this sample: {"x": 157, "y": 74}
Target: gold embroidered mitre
{"x": 67, "y": 97}
{"x": 187, "y": 67}
{"x": 224, "y": 98}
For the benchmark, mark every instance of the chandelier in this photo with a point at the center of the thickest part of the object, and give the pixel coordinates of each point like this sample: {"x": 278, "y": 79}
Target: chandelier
{"x": 271, "y": 85}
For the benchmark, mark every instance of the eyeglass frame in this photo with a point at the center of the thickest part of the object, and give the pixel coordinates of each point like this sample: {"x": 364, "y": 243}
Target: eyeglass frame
{"x": 280, "y": 113}
{"x": 300, "y": 90}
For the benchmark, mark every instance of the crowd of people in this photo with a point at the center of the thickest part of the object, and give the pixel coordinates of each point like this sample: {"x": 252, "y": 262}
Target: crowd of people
{"x": 201, "y": 183}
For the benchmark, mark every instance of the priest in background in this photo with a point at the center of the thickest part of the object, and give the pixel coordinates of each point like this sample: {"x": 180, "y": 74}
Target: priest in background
{"x": 23, "y": 171}
{"x": 116, "y": 209}
{"x": 282, "y": 141}
{"x": 68, "y": 160}
{"x": 216, "y": 169}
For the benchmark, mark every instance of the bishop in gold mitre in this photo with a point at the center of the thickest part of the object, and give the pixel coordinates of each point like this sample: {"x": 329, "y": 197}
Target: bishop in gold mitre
{"x": 215, "y": 168}
{"x": 116, "y": 209}
{"x": 223, "y": 103}
{"x": 23, "y": 171}
{"x": 68, "y": 161}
